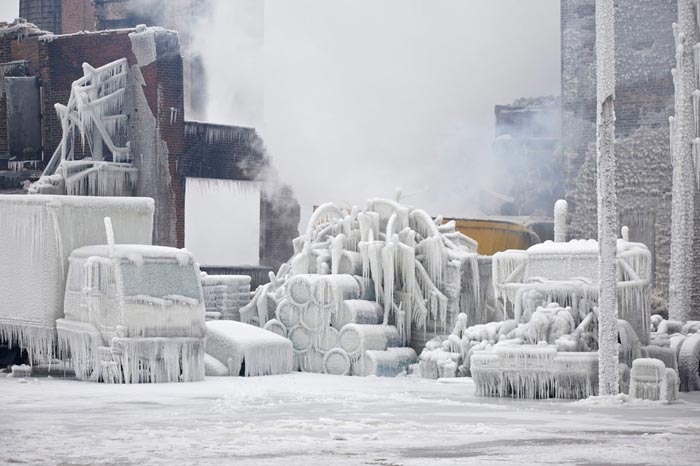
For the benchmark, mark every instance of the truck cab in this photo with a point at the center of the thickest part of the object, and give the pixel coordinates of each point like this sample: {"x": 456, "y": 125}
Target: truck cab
{"x": 133, "y": 313}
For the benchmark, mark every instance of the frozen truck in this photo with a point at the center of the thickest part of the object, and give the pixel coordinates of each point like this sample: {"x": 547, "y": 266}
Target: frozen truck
{"x": 125, "y": 311}
{"x": 133, "y": 314}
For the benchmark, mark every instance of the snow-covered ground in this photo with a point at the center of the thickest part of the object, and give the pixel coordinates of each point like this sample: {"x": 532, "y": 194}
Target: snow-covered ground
{"x": 310, "y": 419}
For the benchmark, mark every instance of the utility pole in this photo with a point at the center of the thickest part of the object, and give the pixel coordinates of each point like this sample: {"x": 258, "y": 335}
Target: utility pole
{"x": 607, "y": 198}
{"x": 684, "y": 147}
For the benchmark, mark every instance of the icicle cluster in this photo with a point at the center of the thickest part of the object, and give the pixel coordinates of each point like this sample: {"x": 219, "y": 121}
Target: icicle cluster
{"x": 567, "y": 273}
{"x": 371, "y": 277}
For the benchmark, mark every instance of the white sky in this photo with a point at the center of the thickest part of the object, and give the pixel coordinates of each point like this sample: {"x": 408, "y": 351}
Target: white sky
{"x": 9, "y": 10}
{"x": 362, "y": 96}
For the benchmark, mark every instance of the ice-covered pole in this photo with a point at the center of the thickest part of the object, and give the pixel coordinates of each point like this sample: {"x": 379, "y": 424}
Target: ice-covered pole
{"x": 560, "y": 209}
{"x": 682, "y": 207}
{"x": 607, "y": 198}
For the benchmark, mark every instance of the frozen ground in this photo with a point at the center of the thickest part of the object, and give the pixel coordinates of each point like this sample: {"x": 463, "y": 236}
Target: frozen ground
{"x": 309, "y": 419}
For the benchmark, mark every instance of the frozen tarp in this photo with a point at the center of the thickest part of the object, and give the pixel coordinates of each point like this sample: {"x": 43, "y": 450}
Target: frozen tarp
{"x": 248, "y": 350}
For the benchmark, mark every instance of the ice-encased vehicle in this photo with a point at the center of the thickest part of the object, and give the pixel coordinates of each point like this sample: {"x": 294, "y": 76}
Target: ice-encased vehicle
{"x": 133, "y": 313}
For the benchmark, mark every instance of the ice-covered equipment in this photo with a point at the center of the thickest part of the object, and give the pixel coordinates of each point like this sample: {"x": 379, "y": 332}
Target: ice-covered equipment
{"x": 567, "y": 273}
{"x": 650, "y": 379}
{"x": 225, "y": 295}
{"x": 386, "y": 276}
{"x": 133, "y": 314}
{"x": 38, "y": 235}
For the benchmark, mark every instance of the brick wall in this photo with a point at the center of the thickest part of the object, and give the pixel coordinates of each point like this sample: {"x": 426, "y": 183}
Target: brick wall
{"x": 77, "y": 15}
{"x": 46, "y": 14}
{"x": 644, "y": 50}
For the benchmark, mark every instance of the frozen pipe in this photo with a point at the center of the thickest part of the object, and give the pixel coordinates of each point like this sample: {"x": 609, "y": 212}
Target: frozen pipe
{"x": 324, "y": 210}
{"x": 312, "y": 362}
{"x": 355, "y": 339}
{"x": 331, "y": 290}
{"x": 275, "y": 326}
{"x": 560, "y": 211}
{"x": 288, "y": 313}
{"x": 387, "y": 363}
{"x": 299, "y": 289}
{"x": 313, "y": 318}
{"x": 329, "y": 339}
{"x": 359, "y": 311}
{"x": 336, "y": 362}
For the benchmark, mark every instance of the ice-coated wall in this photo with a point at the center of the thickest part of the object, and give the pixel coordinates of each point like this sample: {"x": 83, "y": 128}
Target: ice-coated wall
{"x": 644, "y": 56}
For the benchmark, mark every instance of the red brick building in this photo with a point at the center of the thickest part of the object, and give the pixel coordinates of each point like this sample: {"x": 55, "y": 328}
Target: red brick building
{"x": 59, "y": 16}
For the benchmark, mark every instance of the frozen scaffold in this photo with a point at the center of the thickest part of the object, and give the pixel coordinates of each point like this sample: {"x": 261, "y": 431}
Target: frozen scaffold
{"x": 94, "y": 114}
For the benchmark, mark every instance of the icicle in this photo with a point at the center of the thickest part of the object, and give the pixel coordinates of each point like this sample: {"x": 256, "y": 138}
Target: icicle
{"x": 696, "y": 111}
{"x": 388, "y": 261}
{"x": 696, "y": 57}
{"x": 696, "y": 159}
{"x": 672, "y": 136}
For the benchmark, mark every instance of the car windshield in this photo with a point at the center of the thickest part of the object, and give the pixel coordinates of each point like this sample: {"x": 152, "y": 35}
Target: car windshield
{"x": 159, "y": 279}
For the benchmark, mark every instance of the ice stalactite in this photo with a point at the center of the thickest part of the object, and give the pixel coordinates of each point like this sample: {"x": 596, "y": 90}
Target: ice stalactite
{"x": 672, "y": 136}
{"x": 685, "y": 153}
{"x": 607, "y": 199}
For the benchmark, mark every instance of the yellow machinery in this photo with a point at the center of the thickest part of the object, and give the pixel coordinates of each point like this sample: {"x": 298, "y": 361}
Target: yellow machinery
{"x": 496, "y": 235}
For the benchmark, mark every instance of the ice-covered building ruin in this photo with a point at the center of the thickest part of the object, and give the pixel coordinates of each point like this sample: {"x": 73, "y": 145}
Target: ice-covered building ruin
{"x": 130, "y": 132}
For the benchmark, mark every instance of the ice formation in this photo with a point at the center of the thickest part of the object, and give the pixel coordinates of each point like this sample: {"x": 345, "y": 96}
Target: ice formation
{"x": 685, "y": 159}
{"x": 247, "y": 350}
{"x": 369, "y": 280}
{"x": 95, "y": 115}
{"x": 650, "y": 379}
{"x": 225, "y": 295}
{"x": 38, "y": 235}
{"x": 567, "y": 273}
{"x": 21, "y": 371}
{"x": 133, "y": 314}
